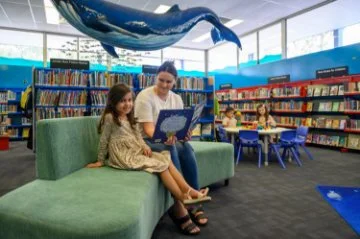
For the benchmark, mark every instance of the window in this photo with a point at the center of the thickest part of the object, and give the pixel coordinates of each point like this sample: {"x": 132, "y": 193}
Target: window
{"x": 248, "y": 54}
{"x": 63, "y": 47}
{"x": 17, "y": 51}
{"x": 91, "y": 50}
{"x": 270, "y": 44}
{"x": 223, "y": 58}
{"x": 317, "y": 30}
{"x": 132, "y": 61}
{"x": 185, "y": 59}
{"x": 350, "y": 35}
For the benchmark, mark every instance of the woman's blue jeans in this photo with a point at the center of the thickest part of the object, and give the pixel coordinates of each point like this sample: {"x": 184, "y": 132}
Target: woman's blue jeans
{"x": 183, "y": 157}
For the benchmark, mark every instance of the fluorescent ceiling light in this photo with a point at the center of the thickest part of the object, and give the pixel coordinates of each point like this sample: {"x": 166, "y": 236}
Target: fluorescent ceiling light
{"x": 229, "y": 24}
{"x": 52, "y": 15}
{"x": 161, "y": 9}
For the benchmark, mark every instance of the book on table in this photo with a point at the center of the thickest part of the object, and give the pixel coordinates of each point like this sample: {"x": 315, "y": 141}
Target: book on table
{"x": 176, "y": 122}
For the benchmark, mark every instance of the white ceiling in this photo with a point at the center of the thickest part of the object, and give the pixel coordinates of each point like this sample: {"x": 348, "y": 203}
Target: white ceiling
{"x": 30, "y": 14}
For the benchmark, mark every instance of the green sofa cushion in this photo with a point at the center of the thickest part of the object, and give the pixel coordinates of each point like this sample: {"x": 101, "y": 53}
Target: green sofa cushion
{"x": 91, "y": 203}
{"x": 215, "y": 161}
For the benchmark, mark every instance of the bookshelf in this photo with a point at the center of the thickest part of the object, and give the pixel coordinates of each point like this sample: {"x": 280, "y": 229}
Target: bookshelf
{"x": 62, "y": 93}
{"x": 330, "y": 107}
{"x": 12, "y": 121}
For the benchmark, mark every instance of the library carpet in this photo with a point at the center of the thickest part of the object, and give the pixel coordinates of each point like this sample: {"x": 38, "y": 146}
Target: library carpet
{"x": 259, "y": 203}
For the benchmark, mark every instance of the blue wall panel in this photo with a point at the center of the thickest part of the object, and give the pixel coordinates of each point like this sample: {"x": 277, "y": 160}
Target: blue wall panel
{"x": 15, "y": 76}
{"x": 299, "y": 68}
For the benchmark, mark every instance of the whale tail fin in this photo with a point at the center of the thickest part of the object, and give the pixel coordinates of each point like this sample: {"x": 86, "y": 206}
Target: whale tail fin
{"x": 221, "y": 32}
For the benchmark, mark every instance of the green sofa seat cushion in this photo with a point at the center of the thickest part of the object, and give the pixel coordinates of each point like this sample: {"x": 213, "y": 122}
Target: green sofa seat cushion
{"x": 90, "y": 203}
{"x": 215, "y": 161}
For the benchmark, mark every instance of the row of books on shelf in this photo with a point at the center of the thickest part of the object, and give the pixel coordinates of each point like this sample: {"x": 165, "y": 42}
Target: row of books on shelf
{"x": 190, "y": 83}
{"x": 190, "y": 98}
{"x": 325, "y": 90}
{"x": 287, "y": 91}
{"x": 245, "y": 106}
{"x": 98, "y": 98}
{"x": 53, "y": 98}
{"x": 5, "y": 120}
{"x": 4, "y": 109}
{"x": 51, "y": 113}
{"x": 288, "y": 105}
{"x": 315, "y": 90}
{"x": 109, "y": 79}
{"x": 7, "y": 95}
{"x": 62, "y": 77}
{"x": 350, "y": 141}
{"x": 14, "y": 133}
{"x": 202, "y": 129}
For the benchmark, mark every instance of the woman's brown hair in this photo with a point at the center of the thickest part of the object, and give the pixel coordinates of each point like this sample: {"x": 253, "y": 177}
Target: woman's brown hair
{"x": 116, "y": 94}
{"x": 266, "y": 112}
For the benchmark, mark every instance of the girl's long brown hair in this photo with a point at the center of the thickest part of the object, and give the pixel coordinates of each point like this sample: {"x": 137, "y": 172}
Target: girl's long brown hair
{"x": 266, "y": 112}
{"x": 116, "y": 94}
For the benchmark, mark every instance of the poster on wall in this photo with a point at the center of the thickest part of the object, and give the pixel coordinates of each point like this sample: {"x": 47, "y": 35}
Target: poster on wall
{"x": 69, "y": 64}
{"x": 226, "y": 86}
{"x": 332, "y": 72}
{"x": 279, "y": 79}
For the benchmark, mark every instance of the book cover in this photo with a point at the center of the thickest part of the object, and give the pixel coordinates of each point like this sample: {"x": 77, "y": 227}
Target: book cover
{"x": 342, "y": 106}
{"x": 197, "y": 130}
{"x": 335, "y": 106}
{"x": 335, "y": 124}
{"x": 341, "y": 90}
{"x": 325, "y": 91}
{"x": 172, "y": 123}
{"x": 334, "y": 90}
{"x": 342, "y": 124}
{"x": 310, "y": 92}
{"x": 206, "y": 129}
{"x": 317, "y": 91}
{"x": 328, "y": 123}
{"x": 309, "y": 106}
{"x": 342, "y": 141}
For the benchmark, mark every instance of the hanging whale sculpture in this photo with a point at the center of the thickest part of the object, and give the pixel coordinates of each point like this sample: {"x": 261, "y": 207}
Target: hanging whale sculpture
{"x": 118, "y": 26}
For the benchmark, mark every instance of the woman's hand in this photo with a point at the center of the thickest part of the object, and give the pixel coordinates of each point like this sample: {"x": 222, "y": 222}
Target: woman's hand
{"x": 98, "y": 164}
{"x": 147, "y": 151}
{"x": 188, "y": 136}
{"x": 171, "y": 140}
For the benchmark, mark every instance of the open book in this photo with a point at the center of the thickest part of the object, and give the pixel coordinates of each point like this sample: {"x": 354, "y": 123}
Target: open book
{"x": 176, "y": 122}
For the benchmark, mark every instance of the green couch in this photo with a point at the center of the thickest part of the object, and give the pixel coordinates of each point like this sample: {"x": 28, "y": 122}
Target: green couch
{"x": 70, "y": 201}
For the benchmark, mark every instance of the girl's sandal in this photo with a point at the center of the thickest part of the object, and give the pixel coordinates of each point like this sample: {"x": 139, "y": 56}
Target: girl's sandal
{"x": 179, "y": 222}
{"x": 196, "y": 214}
{"x": 192, "y": 201}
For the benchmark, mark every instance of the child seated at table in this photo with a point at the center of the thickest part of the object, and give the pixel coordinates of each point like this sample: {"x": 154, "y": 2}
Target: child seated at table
{"x": 263, "y": 118}
{"x": 229, "y": 120}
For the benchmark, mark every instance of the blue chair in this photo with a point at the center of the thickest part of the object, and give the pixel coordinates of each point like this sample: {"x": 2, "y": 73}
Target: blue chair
{"x": 300, "y": 140}
{"x": 249, "y": 139}
{"x": 224, "y": 137}
{"x": 286, "y": 142}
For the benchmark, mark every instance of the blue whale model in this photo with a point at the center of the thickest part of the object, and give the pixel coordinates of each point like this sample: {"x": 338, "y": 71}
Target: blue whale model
{"x": 118, "y": 26}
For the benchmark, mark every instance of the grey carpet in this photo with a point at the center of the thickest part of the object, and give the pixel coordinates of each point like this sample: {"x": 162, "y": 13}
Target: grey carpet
{"x": 259, "y": 203}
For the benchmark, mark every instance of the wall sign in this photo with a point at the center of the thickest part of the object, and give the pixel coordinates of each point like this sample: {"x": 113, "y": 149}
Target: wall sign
{"x": 69, "y": 64}
{"x": 226, "y": 86}
{"x": 148, "y": 69}
{"x": 279, "y": 79}
{"x": 333, "y": 72}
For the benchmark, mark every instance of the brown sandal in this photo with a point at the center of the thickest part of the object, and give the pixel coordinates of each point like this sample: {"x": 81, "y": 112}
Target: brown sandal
{"x": 196, "y": 215}
{"x": 187, "y": 230}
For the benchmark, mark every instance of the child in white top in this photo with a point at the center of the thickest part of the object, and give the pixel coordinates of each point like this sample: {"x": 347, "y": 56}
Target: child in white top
{"x": 229, "y": 120}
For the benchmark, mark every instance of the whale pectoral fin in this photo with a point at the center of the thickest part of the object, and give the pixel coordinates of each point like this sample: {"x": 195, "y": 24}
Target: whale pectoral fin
{"x": 109, "y": 49}
{"x": 174, "y": 8}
